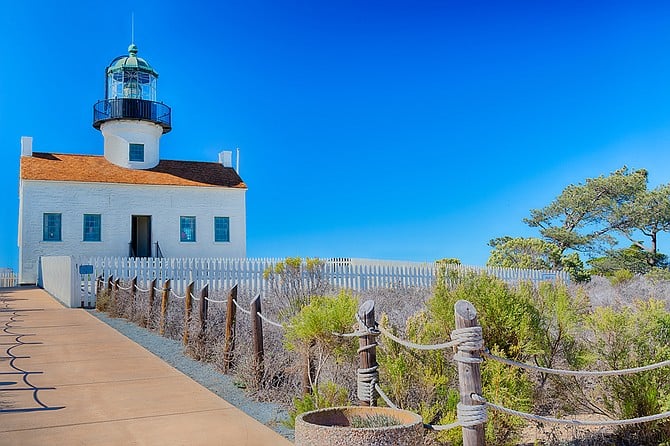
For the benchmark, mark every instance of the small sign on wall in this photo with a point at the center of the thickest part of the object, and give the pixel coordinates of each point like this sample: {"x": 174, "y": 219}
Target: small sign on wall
{"x": 85, "y": 269}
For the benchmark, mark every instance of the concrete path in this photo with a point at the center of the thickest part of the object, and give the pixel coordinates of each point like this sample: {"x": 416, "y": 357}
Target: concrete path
{"x": 67, "y": 378}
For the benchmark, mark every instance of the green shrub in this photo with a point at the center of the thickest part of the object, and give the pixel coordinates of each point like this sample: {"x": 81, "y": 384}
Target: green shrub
{"x": 632, "y": 337}
{"x": 311, "y": 334}
{"x": 621, "y": 276}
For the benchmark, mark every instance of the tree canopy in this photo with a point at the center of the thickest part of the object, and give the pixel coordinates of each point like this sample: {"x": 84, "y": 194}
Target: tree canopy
{"x": 590, "y": 218}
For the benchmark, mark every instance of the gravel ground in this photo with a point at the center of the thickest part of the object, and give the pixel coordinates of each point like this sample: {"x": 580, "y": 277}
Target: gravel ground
{"x": 171, "y": 351}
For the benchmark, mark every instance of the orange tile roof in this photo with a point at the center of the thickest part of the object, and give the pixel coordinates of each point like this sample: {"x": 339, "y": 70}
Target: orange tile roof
{"x": 96, "y": 169}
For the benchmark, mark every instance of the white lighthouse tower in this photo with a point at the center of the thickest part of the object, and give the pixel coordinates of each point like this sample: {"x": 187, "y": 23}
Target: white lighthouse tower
{"x": 130, "y": 118}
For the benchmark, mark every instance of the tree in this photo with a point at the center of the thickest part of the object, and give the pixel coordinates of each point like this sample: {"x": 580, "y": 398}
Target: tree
{"x": 583, "y": 216}
{"x": 634, "y": 259}
{"x": 520, "y": 252}
{"x": 535, "y": 253}
{"x": 648, "y": 213}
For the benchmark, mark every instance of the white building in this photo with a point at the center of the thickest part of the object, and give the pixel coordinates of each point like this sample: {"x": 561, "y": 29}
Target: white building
{"x": 128, "y": 202}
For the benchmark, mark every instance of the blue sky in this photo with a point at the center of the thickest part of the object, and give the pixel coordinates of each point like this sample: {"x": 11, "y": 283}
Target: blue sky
{"x": 380, "y": 129}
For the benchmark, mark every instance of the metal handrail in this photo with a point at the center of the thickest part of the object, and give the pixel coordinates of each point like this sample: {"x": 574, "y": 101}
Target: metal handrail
{"x": 131, "y": 108}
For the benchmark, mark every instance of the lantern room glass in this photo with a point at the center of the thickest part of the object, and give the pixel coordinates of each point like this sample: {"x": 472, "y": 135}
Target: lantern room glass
{"x": 131, "y": 83}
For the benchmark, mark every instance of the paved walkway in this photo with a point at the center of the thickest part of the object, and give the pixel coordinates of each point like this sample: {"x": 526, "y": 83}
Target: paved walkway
{"x": 67, "y": 378}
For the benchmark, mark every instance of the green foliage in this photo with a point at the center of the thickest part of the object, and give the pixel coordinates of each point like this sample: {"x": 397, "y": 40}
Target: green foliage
{"x": 562, "y": 317}
{"x": 527, "y": 253}
{"x": 535, "y": 253}
{"x": 374, "y": 420}
{"x": 621, "y": 276}
{"x": 294, "y": 281}
{"x": 328, "y": 394}
{"x": 582, "y": 216}
{"x": 310, "y": 333}
{"x": 632, "y": 337}
{"x": 317, "y": 321}
{"x": 633, "y": 258}
{"x": 658, "y": 275}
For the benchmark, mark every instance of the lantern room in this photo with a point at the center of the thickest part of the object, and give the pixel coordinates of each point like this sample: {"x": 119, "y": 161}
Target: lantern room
{"x": 130, "y": 118}
{"x": 131, "y": 77}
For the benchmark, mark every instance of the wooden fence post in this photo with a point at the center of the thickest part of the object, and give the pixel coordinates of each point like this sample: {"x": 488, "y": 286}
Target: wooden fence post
{"x": 115, "y": 297}
{"x": 133, "y": 291}
{"x": 204, "y": 306}
{"x": 152, "y": 296}
{"x": 110, "y": 281}
{"x": 257, "y": 334}
{"x": 368, "y": 352}
{"x": 164, "y": 306}
{"x": 469, "y": 373}
{"x": 229, "y": 345}
{"x": 188, "y": 306}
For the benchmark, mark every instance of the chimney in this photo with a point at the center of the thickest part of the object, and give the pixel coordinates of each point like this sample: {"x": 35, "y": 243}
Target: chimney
{"x": 226, "y": 158}
{"x": 26, "y": 146}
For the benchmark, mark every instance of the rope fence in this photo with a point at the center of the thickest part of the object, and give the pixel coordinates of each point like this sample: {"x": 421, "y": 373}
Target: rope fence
{"x": 471, "y": 350}
{"x": 466, "y": 340}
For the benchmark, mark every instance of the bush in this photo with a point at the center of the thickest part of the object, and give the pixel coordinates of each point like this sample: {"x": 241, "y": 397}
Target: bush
{"x": 632, "y": 337}
{"x": 311, "y": 334}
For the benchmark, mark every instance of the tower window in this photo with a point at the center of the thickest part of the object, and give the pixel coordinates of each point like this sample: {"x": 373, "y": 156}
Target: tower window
{"x": 51, "y": 228}
{"x": 221, "y": 229}
{"x": 186, "y": 229}
{"x": 136, "y": 152}
{"x": 91, "y": 227}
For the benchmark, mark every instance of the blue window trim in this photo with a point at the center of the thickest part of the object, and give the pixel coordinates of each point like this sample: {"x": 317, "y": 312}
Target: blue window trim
{"x": 222, "y": 229}
{"x": 92, "y": 227}
{"x": 187, "y": 229}
{"x": 136, "y": 152}
{"x": 51, "y": 227}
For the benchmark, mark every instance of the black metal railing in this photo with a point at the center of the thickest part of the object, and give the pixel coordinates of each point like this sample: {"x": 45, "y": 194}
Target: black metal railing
{"x": 159, "y": 252}
{"x": 127, "y": 108}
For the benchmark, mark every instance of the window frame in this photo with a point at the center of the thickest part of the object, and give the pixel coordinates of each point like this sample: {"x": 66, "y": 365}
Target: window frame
{"x": 135, "y": 146}
{"x": 227, "y": 228}
{"x": 183, "y": 227}
{"x": 46, "y": 225}
{"x": 99, "y": 228}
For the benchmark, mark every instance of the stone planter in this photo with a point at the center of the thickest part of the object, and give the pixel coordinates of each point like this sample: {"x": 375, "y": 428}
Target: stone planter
{"x": 333, "y": 427}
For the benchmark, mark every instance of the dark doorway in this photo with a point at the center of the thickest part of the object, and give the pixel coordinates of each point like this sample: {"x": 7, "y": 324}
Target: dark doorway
{"x": 140, "y": 242}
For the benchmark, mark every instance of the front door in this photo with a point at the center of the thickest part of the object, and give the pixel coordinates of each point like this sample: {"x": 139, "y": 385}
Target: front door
{"x": 140, "y": 242}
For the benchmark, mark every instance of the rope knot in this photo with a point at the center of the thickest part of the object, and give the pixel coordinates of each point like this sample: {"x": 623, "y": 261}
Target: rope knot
{"x": 471, "y": 415}
{"x": 469, "y": 340}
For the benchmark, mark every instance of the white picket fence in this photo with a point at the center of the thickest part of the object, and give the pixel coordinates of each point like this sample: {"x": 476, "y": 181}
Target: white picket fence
{"x": 248, "y": 273}
{"x": 8, "y": 280}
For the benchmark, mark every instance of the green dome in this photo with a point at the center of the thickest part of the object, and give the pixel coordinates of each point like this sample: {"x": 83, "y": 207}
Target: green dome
{"x": 131, "y": 62}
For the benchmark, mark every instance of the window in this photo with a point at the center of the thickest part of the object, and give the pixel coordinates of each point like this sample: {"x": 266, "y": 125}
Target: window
{"x": 136, "y": 152}
{"x": 91, "y": 227}
{"x": 187, "y": 229}
{"x": 51, "y": 228}
{"x": 221, "y": 229}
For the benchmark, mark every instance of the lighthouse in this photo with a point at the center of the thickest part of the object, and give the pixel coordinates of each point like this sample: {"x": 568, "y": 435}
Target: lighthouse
{"x": 130, "y": 118}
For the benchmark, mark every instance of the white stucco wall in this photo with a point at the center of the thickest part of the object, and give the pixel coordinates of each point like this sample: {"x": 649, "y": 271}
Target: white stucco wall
{"x": 119, "y": 134}
{"x": 59, "y": 280}
{"x": 117, "y": 203}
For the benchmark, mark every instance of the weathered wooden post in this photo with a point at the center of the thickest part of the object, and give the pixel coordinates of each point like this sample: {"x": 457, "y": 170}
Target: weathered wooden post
{"x": 164, "y": 306}
{"x": 115, "y": 297}
{"x": 229, "y": 344}
{"x": 110, "y": 282}
{"x": 188, "y": 306}
{"x": 133, "y": 294}
{"x": 469, "y": 373}
{"x": 257, "y": 335}
{"x": 204, "y": 306}
{"x": 152, "y": 297}
{"x": 367, "y": 356}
